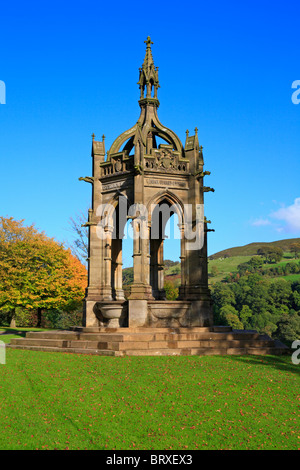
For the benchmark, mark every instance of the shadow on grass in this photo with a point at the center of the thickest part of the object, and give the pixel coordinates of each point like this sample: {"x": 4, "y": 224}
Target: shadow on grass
{"x": 282, "y": 363}
{"x": 12, "y": 331}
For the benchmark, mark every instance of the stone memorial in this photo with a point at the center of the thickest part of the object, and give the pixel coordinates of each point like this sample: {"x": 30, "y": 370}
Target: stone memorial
{"x": 147, "y": 181}
{"x": 145, "y": 177}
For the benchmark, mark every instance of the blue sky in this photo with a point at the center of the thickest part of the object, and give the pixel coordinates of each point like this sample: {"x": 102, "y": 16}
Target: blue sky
{"x": 71, "y": 69}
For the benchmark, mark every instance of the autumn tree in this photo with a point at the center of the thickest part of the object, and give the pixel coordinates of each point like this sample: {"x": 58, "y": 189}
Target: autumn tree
{"x": 36, "y": 272}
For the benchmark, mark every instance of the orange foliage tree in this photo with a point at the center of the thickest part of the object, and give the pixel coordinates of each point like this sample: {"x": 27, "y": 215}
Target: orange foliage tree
{"x": 36, "y": 272}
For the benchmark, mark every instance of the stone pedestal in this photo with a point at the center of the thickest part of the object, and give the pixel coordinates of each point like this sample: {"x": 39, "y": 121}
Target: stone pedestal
{"x": 138, "y": 312}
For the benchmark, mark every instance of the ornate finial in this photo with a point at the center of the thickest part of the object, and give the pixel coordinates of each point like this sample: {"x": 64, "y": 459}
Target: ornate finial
{"x": 148, "y": 42}
{"x": 187, "y": 132}
{"x": 93, "y": 136}
{"x": 148, "y": 78}
{"x": 196, "y": 130}
{"x": 103, "y": 138}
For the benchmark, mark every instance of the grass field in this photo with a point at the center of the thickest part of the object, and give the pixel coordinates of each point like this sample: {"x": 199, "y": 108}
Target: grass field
{"x": 225, "y": 266}
{"x": 64, "y": 401}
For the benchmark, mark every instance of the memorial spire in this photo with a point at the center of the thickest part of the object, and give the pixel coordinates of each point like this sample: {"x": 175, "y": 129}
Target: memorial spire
{"x": 148, "y": 79}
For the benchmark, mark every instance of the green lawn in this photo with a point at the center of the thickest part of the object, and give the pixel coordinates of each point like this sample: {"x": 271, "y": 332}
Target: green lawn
{"x": 65, "y": 401}
{"x": 292, "y": 277}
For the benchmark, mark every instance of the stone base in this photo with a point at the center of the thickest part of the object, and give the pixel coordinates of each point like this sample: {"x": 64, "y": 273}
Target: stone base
{"x": 148, "y": 313}
{"x": 151, "y": 342}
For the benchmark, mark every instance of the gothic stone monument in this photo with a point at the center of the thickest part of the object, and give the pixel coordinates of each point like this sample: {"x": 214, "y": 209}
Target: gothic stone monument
{"x": 145, "y": 181}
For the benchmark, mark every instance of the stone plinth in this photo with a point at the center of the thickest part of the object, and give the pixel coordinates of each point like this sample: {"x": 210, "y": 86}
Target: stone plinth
{"x": 151, "y": 342}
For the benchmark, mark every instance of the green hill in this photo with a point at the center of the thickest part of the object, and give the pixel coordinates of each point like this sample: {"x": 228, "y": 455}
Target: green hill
{"x": 251, "y": 248}
{"x": 225, "y": 263}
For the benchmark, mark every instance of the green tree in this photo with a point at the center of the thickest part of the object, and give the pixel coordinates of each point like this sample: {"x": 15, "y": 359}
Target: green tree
{"x": 280, "y": 292}
{"x": 127, "y": 275}
{"x": 271, "y": 254}
{"x": 168, "y": 263}
{"x": 289, "y": 328}
{"x": 171, "y": 290}
{"x": 245, "y": 316}
{"x": 295, "y": 249}
{"x": 230, "y": 317}
{"x": 243, "y": 269}
{"x": 256, "y": 262}
{"x": 214, "y": 271}
{"x": 222, "y": 295}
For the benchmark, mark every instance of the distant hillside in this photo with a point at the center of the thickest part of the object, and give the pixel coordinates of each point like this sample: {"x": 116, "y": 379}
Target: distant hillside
{"x": 226, "y": 262}
{"x": 251, "y": 249}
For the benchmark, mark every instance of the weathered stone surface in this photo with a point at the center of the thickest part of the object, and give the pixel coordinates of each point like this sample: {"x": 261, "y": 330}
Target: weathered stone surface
{"x": 144, "y": 341}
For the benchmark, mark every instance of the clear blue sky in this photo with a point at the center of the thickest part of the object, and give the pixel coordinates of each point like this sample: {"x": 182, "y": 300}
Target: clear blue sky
{"x": 71, "y": 69}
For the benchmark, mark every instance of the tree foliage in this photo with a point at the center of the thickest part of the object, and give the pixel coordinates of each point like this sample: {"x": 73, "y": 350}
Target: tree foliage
{"x": 271, "y": 254}
{"x": 253, "y": 302}
{"x": 36, "y": 272}
{"x": 295, "y": 248}
{"x": 171, "y": 290}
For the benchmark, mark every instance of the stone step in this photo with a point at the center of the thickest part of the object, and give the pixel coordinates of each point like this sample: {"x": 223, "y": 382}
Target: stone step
{"x": 134, "y": 345}
{"x": 145, "y": 336}
{"x": 142, "y": 345}
{"x": 206, "y": 351}
{"x": 159, "y": 352}
{"x": 82, "y": 329}
{"x": 151, "y": 341}
{"x": 52, "y": 335}
{"x": 65, "y": 350}
{"x": 201, "y": 352}
{"x": 51, "y": 343}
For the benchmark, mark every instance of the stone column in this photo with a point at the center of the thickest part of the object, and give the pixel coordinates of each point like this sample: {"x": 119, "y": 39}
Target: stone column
{"x": 117, "y": 288}
{"x": 182, "y": 262}
{"x": 107, "y": 288}
{"x": 160, "y": 270}
{"x": 140, "y": 288}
